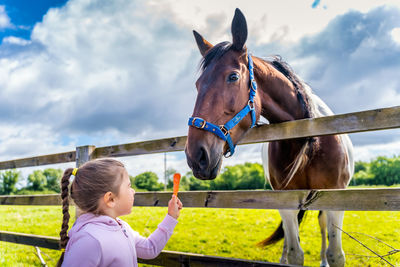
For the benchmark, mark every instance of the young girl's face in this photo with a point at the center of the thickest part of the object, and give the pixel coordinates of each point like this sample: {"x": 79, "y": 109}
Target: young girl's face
{"x": 125, "y": 197}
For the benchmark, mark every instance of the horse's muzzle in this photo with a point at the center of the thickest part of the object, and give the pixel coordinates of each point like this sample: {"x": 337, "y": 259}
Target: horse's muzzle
{"x": 203, "y": 166}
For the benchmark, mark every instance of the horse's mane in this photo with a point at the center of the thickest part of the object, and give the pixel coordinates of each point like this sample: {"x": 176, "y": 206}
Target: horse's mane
{"x": 215, "y": 53}
{"x": 302, "y": 94}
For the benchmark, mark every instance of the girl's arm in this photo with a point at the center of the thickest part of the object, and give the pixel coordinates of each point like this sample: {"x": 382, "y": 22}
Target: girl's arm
{"x": 149, "y": 248}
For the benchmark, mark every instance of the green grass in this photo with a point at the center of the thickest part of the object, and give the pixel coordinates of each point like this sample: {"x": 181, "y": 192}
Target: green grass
{"x": 219, "y": 232}
{"x": 372, "y": 186}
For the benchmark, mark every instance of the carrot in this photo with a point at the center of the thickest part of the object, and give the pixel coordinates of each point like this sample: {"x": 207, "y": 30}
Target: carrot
{"x": 177, "y": 179}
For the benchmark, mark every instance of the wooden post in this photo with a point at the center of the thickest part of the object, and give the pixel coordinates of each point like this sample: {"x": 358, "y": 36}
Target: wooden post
{"x": 83, "y": 154}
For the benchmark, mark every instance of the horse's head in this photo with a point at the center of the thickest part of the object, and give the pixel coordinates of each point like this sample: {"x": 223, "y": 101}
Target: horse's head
{"x": 226, "y": 105}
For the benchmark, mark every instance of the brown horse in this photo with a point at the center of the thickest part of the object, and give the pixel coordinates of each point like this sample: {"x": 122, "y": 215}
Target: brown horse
{"x": 224, "y": 87}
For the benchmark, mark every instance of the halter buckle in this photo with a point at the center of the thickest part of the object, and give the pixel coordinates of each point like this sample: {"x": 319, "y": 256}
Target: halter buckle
{"x": 203, "y": 122}
{"x": 228, "y": 154}
{"x": 250, "y": 104}
{"x": 224, "y": 130}
{"x": 253, "y": 85}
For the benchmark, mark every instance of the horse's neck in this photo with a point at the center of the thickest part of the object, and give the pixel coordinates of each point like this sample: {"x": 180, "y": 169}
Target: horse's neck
{"x": 277, "y": 94}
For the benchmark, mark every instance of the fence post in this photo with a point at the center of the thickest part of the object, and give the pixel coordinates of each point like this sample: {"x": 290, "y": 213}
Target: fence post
{"x": 83, "y": 154}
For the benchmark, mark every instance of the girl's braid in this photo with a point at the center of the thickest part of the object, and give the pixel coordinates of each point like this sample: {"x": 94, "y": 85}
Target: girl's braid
{"x": 65, "y": 209}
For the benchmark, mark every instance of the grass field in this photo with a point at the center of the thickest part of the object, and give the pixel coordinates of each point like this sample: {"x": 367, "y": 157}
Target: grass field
{"x": 219, "y": 232}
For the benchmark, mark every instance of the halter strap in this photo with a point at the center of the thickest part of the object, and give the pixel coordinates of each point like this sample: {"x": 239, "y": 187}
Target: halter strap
{"x": 222, "y": 131}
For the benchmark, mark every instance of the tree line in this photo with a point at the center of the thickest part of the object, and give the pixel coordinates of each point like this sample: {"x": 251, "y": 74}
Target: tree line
{"x": 379, "y": 171}
{"x": 241, "y": 176}
{"x": 40, "y": 181}
{"x": 238, "y": 177}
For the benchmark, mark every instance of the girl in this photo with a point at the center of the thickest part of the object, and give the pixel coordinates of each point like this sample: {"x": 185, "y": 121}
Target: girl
{"x": 102, "y": 190}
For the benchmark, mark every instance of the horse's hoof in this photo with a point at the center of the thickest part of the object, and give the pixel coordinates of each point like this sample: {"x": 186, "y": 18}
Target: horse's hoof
{"x": 336, "y": 260}
{"x": 283, "y": 260}
{"x": 296, "y": 257}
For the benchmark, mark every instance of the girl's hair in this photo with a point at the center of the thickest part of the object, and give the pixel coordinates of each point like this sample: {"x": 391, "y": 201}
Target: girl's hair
{"x": 92, "y": 180}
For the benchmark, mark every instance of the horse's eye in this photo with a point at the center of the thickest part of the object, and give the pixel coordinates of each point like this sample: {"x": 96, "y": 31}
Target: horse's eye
{"x": 233, "y": 77}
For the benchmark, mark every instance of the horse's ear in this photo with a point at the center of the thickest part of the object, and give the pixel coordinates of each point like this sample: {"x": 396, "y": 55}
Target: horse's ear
{"x": 202, "y": 43}
{"x": 239, "y": 30}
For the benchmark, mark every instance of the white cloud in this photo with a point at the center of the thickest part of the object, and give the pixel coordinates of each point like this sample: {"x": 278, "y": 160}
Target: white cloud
{"x": 396, "y": 35}
{"x": 19, "y": 141}
{"x": 16, "y": 40}
{"x": 289, "y": 20}
{"x": 369, "y": 152}
{"x": 4, "y": 19}
{"x": 98, "y": 66}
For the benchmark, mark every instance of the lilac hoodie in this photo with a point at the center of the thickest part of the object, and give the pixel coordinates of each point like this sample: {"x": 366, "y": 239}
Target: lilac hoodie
{"x": 103, "y": 241}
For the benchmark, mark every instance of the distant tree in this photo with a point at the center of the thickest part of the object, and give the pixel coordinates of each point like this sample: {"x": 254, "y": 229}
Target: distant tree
{"x": 184, "y": 184}
{"x": 252, "y": 176}
{"x": 237, "y": 177}
{"x": 132, "y": 178}
{"x": 240, "y": 176}
{"x": 147, "y": 181}
{"x": 360, "y": 166}
{"x": 386, "y": 170}
{"x": 226, "y": 180}
{"x": 53, "y": 178}
{"x": 8, "y": 180}
{"x": 196, "y": 184}
{"x": 361, "y": 174}
{"x": 37, "y": 181}
{"x": 380, "y": 171}
{"x": 362, "y": 178}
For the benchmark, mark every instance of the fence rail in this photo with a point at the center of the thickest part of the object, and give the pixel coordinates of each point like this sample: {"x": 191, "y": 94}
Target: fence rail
{"x": 349, "y": 199}
{"x": 166, "y": 258}
{"x": 356, "y": 199}
{"x": 370, "y": 120}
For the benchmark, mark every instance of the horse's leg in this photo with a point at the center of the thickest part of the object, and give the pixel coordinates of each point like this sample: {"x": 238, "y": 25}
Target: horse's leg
{"x": 284, "y": 258}
{"x": 265, "y": 162}
{"x": 323, "y": 224}
{"x": 335, "y": 253}
{"x": 294, "y": 254}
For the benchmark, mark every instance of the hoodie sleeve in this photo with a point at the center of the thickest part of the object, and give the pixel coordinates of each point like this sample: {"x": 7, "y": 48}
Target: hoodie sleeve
{"x": 149, "y": 248}
{"x": 85, "y": 251}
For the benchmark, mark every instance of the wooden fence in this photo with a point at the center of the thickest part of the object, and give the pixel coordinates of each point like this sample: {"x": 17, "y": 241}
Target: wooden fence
{"x": 365, "y": 199}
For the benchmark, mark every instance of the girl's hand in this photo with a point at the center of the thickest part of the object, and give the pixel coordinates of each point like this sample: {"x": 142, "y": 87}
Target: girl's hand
{"x": 174, "y": 207}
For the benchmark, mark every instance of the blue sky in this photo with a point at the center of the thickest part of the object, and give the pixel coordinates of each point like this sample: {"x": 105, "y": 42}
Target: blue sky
{"x": 108, "y": 72}
{"x": 23, "y": 15}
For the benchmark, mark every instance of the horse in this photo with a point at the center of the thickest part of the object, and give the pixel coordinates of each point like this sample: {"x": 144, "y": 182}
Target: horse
{"x": 234, "y": 90}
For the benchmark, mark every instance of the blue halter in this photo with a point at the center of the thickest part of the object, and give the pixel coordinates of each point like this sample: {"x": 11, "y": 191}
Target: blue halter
{"x": 222, "y": 131}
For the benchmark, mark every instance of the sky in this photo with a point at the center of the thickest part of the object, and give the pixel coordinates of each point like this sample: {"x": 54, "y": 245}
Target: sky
{"x": 94, "y": 72}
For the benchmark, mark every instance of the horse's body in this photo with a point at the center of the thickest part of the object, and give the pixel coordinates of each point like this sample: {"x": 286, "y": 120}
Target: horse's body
{"x": 305, "y": 163}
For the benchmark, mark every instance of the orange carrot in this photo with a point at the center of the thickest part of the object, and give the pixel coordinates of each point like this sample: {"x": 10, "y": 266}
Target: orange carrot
{"x": 177, "y": 179}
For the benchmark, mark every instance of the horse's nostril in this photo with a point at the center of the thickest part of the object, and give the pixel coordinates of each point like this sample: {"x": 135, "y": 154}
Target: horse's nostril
{"x": 203, "y": 159}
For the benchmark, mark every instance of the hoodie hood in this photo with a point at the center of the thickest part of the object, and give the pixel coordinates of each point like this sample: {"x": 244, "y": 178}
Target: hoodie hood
{"x": 102, "y": 221}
